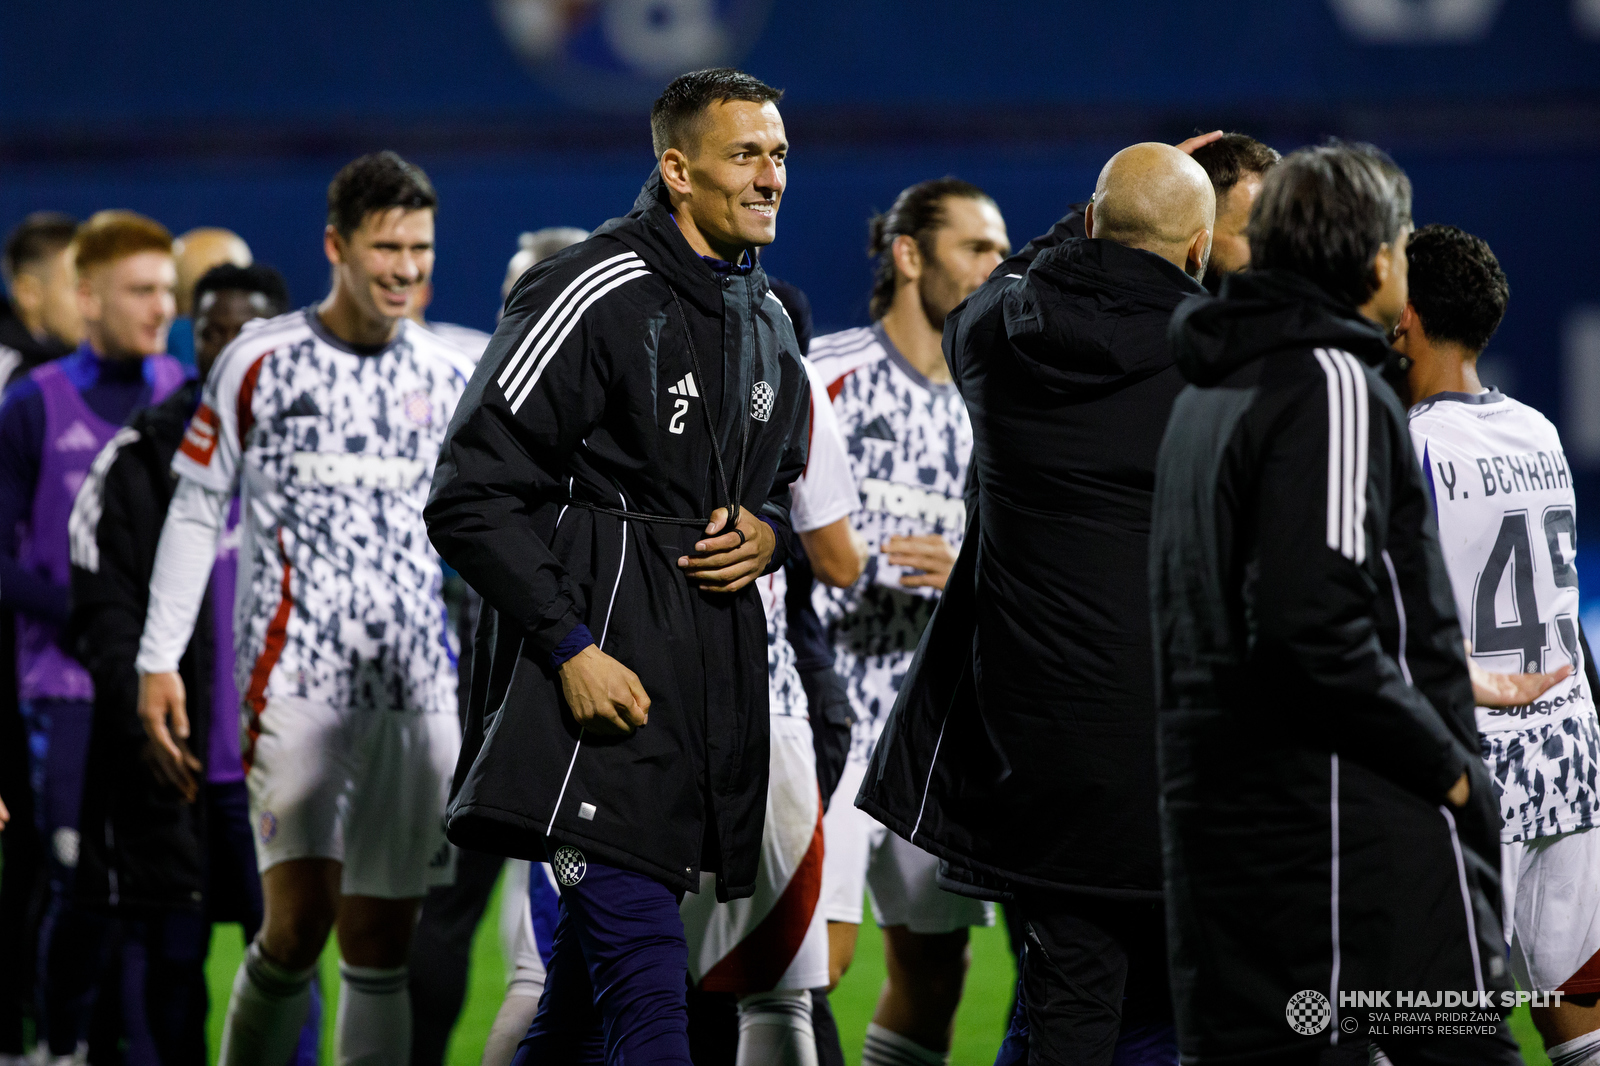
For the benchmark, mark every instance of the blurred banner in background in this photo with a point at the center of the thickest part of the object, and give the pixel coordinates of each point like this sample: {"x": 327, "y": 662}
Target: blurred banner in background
{"x": 530, "y": 113}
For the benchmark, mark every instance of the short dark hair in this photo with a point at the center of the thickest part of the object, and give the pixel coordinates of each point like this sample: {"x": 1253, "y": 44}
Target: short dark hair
{"x": 1324, "y": 212}
{"x": 258, "y": 277}
{"x": 1457, "y": 286}
{"x": 1230, "y": 157}
{"x": 675, "y": 117}
{"x": 918, "y": 212}
{"x": 377, "y": 182}
{"x": 38, "y": 237}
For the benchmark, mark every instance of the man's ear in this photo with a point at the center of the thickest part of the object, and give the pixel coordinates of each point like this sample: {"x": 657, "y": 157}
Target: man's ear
{"x": 89, "y": 297}
{"x": 1401, "y": 337}
{"x": 675, "y": 171}
{"x": 1382, "y": 264}
{"x": 907, "y": 257}
{"x": 27, "y": 291}
{"x": 332, "y": 245}
{"x": 1088, "y": 220}
{"x": 1199, "y": 254}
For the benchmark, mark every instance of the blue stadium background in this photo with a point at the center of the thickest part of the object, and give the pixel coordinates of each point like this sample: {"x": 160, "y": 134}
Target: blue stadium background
{"x": 530, "y": 113}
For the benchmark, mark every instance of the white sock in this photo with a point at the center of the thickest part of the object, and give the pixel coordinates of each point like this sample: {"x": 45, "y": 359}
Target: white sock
{"x": 510, "y": 1026}
{"x": 1579, "y": 1051}
{"x": 374, "y": 1026}
{"x": 885, "y": 1047}
{"x": 775, "y": 1028}
{"x": 265, "y": 1012}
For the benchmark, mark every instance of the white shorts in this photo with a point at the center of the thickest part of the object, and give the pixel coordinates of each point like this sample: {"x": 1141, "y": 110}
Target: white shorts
{"x": 367, "y": 789}
{"x": 777, "y": 939}
{"x": 901, "y": 877}
{"x": 522, "y": 932}
{"x": 1552, "y": 899}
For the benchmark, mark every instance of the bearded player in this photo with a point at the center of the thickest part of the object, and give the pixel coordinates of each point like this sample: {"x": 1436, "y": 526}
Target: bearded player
{"x": 909, "y": 440}
{"x": 327, "y": 422}
{"x": 1507, "y": 515}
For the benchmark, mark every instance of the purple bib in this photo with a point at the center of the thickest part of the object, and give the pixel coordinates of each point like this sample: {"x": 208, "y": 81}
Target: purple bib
{"x": 73, "y": 436}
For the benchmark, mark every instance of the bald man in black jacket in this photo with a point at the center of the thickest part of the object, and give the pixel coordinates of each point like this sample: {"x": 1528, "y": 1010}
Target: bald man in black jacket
{"x": 1022, "y": 751}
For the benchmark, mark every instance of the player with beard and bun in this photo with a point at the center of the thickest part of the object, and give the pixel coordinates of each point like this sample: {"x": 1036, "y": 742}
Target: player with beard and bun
{"x": 327, "y": 422}
{"x": 1503, "y": 495}
{"x": 909, "y": 440}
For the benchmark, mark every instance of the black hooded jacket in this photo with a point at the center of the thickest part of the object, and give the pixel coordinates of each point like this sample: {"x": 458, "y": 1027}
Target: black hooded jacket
{"x": 1314, "y": 700}
{"x": 141, "y": 845}
{"x": 590, "y": 392}
{"x": 1022, "y": 746}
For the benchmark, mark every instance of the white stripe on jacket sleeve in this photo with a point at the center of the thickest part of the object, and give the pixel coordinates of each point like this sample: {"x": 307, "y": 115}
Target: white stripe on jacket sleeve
{"x": 568, "y": 296}
{"x": 83, "y": 524}
{"x": 553, "y": 342}
{"x": 1348, "y": 426}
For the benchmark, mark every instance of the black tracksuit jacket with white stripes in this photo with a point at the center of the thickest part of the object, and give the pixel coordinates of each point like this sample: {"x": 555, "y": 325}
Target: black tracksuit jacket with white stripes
{"x": 1314, "y": 700}
{"x": 142, "y": 847}
{"x": 588, "y": 392}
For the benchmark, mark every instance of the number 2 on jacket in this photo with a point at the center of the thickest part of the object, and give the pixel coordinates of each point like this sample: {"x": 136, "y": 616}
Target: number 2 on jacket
{"x": 675, "y": 424}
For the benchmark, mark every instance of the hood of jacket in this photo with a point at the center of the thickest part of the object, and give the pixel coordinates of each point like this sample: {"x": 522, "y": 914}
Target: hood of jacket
{"x": 1260, "y": 312}
{"x": 1090, "y": 314}
{"x": 649, "y": 230}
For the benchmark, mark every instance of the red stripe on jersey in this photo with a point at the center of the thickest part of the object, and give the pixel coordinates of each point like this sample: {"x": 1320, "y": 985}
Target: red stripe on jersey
{"x": 247, "y": 393}
{"x": 1586, "y": 981}
{"x": 838, "y": 386}
{"x": 277, "y": 637}
{"x": 200, "y": 439}
{"x": 761, "y": 958}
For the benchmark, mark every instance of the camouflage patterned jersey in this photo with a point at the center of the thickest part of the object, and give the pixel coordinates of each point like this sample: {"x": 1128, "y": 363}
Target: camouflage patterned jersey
{"x": 332, "y": 451}
{"x": 909, "y": 441}
{"x": 1508, "y": 528}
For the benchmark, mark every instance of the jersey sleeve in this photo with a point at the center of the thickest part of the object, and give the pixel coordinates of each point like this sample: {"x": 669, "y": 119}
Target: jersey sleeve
{"x": 1315, "y": 605}
{"x": 825, "y": 492}
{"x": 214, "y": 440}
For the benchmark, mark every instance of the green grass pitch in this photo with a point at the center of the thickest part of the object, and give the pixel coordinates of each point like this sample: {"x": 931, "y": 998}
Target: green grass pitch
{"x": 980, "y": 1023}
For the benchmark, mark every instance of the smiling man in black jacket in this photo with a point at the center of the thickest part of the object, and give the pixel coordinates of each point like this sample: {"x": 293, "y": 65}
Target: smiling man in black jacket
{"x": 1022, "y": 748}
{"x": 1328, "y": 826}
{"x": 613, "y": 481}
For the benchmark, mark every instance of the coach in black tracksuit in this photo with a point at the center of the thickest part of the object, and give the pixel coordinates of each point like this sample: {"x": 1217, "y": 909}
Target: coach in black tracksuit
{"x": 1022, "y": 747}
{"x": 1328, "y": 825}
{"x": 639, "y": 382}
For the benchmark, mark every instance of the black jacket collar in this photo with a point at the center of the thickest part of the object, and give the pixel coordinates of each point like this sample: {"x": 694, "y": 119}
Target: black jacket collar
{"x": 650, "y": 231}
{"x": 1090, "y": 313}
{"x": 1260, "y": 312}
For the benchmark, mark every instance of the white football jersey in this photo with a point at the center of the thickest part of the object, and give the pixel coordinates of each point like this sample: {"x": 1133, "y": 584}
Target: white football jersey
{"x": 1502, "y": 491}
{"x": 820, "y": 496}
{"x": 332, "y": 453}
{"x": 909, "y": 442}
